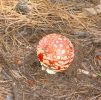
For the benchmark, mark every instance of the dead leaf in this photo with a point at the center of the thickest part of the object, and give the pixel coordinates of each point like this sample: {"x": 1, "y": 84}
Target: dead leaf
{"x": 16, "y": 61}
{"x": 16, "y": 74}
{"x": 31, "y": 81}
{"x": 98, "y": 57}
{"x": 2, "y": 99}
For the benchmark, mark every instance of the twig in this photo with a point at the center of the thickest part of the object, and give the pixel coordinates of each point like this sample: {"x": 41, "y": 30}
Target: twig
{"x": 81, "y": 71}
{"x": 16, "y": 92}
{"x": 9, "y": 96}
{"x": 5, "y": 74}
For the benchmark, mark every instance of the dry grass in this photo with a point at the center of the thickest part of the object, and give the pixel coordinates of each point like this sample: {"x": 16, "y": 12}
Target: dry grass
{"x": 21, "y": 77}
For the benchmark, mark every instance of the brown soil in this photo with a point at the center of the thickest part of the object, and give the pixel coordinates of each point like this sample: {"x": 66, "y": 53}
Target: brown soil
{"x": 21, "y": 77}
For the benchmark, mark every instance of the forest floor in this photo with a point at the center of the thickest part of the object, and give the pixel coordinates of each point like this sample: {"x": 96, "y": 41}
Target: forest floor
{"x": 21, "y": 28}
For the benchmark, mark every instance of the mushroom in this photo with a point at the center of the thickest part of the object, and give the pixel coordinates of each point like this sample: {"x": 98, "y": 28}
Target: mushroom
{"x": 55, "y": 53}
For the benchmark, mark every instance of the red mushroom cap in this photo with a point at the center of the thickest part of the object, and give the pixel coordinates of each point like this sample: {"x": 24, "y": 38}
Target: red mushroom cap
{"x": 55, "y": 52}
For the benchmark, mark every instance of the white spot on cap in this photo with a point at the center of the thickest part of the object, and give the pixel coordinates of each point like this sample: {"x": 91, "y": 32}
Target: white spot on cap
{"x": 67, "y": 66}
{"x": 55, "y": 45}
{"x": 72, "y": 54}
{"x": 66, "y": 62}
{"x": 65, "y": 38}
{"x": 54, "y": 56}
{"x": 67, "y": 46}
{"x": 63, "y": 51}
{"x": 59, "y": 50}
{"x": 57, "y": 41}
{"x": 65, "y": 57}
{"x": 45, "y": 40}
{"x": 61, "y": 45}
{"x": 62, "y": 58}
{"x": 59, "y": 38}
{"x": 58, "y": 57}
{"x": 70, "y": 44}
{"x": 57, "y": 64}
{"x": 67, "y": 51}
{"x": 61, "y": 62}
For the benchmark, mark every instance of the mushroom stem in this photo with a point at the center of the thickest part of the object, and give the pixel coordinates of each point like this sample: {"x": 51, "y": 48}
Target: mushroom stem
{"x": 43, "y": 68}
{"x": 49, "y": 71}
